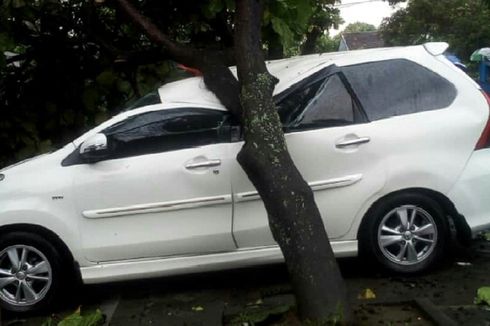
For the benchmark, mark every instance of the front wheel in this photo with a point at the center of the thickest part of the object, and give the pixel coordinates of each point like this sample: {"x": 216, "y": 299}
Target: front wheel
{"x": 30, "y": 273}
{"x": 405, "y": 233}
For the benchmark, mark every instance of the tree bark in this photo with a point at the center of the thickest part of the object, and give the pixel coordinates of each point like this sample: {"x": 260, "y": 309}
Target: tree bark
{"x": 294, "y": 218}
{"x": 275, "y": 47}
{"x": 312, "y": 37}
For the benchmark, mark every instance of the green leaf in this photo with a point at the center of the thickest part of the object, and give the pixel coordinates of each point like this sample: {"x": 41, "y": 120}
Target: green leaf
{"x": 230, "y": 5}
{"x": 266, "y": 17}
{"x": 6, "y": 43}
{"x": 68, "y": 117}
{"x": 7, "y": 3}
{"x": 18, "y": 3}
{"x": 76, "y": 319}
{"x": 48, "y": 322}
{"x": 283, "y": 30}
{"x": 90, "y": 98}
{"x": 101, "y": 117}
{"x": 45, "y": 146}
{"x": 214, "y": 7}
{"x": 29, "y": 127}
{"x": 483, "y": 295}
{"x": 28, "y": 150}
{"x": 106, "y": 78}
{"x": 123, "y": 86}
{"x": 487, "y": 236}
{"x": 93, "y": 319}
{"x": 304, "y": 10}
{"x": 28, "y": 141}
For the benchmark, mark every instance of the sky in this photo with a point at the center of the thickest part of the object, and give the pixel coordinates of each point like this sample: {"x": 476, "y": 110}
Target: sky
{"x": 367, "y": 11}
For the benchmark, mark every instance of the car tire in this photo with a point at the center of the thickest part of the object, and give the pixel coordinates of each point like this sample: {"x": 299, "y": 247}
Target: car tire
{"x": 30, "y": 272}
{"x": 406, "y": 233}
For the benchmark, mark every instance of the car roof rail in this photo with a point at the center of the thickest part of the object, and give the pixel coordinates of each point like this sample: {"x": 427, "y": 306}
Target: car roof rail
{"x": 436, "y": 48}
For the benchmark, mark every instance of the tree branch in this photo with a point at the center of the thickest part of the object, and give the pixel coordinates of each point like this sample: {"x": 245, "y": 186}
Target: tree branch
{"x": 213, "y": 64}
{"x": 151, "y": 29}
{"x": 247, "y": 37}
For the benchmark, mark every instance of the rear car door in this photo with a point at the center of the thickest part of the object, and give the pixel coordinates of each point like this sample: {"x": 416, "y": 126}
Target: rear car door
{"x": 422, "y": 123}
{"x": 163, "y": 189}
{"x": 334, "y": 148}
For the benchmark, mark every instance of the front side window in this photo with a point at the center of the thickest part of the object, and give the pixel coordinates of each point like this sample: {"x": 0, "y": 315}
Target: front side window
{"x": 323, "y": 103}
{"x": 165, "y": 130}
{"x": 397, "y": 87}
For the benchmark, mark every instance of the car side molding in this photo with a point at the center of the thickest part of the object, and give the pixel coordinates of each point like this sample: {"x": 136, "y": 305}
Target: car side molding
{"x": 157, "y": 207}
{"x": 315, "y": 186}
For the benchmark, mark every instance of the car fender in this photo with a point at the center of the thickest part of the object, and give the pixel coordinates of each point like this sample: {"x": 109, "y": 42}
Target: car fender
{"x": 33, "y": 212}
{"x": 412, "y": 181}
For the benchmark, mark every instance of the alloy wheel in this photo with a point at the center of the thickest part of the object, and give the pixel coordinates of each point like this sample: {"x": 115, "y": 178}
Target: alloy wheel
{"x": 407, "y": 235}
{"x": 25, "y": 275}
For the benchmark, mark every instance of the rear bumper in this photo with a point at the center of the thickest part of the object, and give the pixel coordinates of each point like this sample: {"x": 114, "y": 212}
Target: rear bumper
{"x": 471, "y": 193}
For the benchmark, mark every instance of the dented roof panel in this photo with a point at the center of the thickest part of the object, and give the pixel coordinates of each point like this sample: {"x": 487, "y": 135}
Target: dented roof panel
{"x": 288, "y": 71}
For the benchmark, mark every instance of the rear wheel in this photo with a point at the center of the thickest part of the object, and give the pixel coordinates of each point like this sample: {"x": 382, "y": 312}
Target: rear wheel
{"x": 405, "y": 233}
{"x": 30, "y": 272}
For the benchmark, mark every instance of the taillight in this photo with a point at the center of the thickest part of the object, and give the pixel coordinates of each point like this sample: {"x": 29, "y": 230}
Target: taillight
{"x": 484, "y": 141}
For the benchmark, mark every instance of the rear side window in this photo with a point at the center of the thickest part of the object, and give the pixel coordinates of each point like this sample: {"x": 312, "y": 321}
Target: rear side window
{"x": 397, "y": 87}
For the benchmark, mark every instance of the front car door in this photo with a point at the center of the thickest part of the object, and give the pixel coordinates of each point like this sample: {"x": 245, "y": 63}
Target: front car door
{"x": 163, "y": 189}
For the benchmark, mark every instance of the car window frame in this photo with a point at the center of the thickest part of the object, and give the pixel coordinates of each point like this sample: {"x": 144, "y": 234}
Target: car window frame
{"x": 360, "y": 115}
{"x": 415, "y": 63}
{"x": 224, "y": 132}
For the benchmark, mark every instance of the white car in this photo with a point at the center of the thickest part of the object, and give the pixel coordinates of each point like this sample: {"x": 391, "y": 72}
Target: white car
{"x": 394, "y": 143}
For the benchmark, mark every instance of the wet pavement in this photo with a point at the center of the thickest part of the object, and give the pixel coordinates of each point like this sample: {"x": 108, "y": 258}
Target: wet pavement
{"x": 263, "y": 295}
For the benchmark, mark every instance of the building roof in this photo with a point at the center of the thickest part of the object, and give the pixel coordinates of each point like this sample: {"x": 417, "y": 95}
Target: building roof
{"x": 363, "y": 40}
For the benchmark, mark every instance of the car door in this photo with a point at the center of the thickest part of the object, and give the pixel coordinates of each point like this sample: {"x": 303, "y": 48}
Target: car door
{"x": 163, "y": 189}
{"x": 333, "y": 146}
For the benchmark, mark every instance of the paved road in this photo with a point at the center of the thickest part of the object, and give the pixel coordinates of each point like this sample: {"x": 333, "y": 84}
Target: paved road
{"x": 210, "y": 298}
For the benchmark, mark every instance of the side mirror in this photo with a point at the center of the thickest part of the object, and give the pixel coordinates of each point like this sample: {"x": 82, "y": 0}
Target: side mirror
{"x": 94, "y": 149}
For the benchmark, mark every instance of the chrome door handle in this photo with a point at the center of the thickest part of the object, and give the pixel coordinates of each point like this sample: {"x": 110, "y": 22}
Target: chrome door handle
{"x": 350, "y": 142}
{"x": 204, "y": 164}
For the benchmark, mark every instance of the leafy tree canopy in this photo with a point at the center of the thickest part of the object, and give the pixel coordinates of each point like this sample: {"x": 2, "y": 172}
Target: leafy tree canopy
{"x": 67, "y": 65}
{"x": 461, "y": 23}
{"x": 359, "y": 27}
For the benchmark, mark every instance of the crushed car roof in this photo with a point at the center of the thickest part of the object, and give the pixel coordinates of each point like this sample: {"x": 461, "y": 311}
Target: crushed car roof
{"x": 288, "y": 71}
